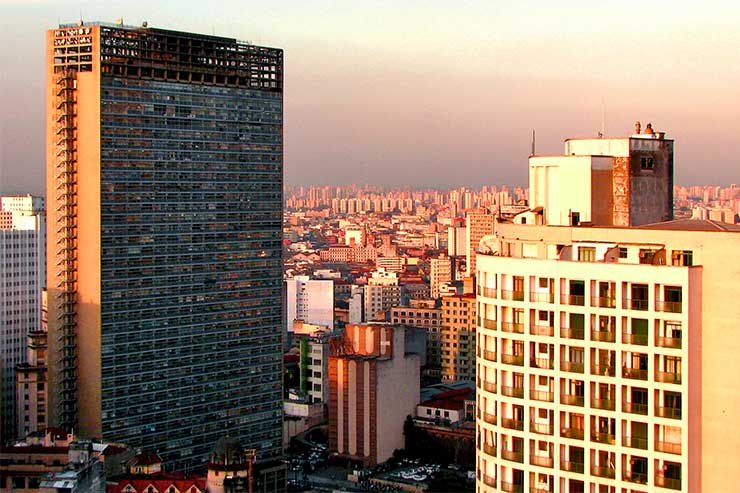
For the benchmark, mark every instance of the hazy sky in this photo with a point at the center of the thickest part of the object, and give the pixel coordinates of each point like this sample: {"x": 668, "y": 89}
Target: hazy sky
{"x": 431, "y": 92}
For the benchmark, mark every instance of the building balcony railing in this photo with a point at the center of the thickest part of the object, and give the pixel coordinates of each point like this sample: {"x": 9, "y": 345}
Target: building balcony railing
{"x": 542, "y": 330}
{"x": 568, "y": 333}
{"x": 487, "y": 292}
{"x": 543, "y": 363}
{"x": 540, "y": 489}
{"x": 606, "y": 438}
{"x": 487, "y": 323}
{"x": 571, "y": 400}
{"x": 489, "y": 449}
{"x": 605, "y": 370}
{"x": 604, "y": 301}
{"x": 514, "y": 327}
{"x": 571, "y": 366}
{"x": 668, "y": 447}
{"x": 489, "y": 481}
{"x": 635, "y": 477}
{"x": 668, "y": 342}
{"x": 668, "y": 306}
{"x": 636, "y": 339}
{"x": 541, "y": 428}
{"x": 511, "y": 487}
{"x": 635, "y": 304}
{"x": 512, "y": 424}
{"x": 513, "y": 359}
{"x": 541, "y": 395}
{"x": 489, "y": 356}
{"x": 489, "y": 387}
{"x": 668, "y": 412}
{"x": 572, "y": 299}
{"x": 636, "y": 442}
{"x": 573, "y": 433}
{"x": 602, "y": 472}
{"x": 635, "y": 408}
{"x": 511, "y": 295}
{"x": 603, "y": 335}
{"x": 490, "y": 418}
{"x": 540, "y": 297}
{"x": 541, "y": 460}
{"x": 634, "y": 373}
{"x": 513, "y": 455}
{"x": 670, "y": 483}
{"x": 512, "y": 391}
{"x": 570, "y": 466}
{"x": 668, "y": 377}
{"x": 606, "y": 404}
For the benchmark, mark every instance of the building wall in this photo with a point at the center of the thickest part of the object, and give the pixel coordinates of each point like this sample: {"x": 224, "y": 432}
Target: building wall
{"x": 457, "y": 337}
{"x": 309, "y": 300}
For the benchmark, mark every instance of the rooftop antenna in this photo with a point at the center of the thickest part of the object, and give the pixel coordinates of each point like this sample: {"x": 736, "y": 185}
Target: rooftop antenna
{"x": 603, "y": 119}
{"x": 533, "y": 142}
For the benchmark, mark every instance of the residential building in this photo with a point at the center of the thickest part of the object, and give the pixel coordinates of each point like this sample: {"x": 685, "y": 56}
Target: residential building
{"x": 165, "y": 175}
{"x": 457, "y": 337}
{"x": 31, "y": 381}
{"x": 382, "y": 293}
{"x": 309, "y": 300}
{"x": 426, "y": 315}
{"x": 478, "y": 224}
{"x": 440, "y": 271}
{"x": 22, "y": 276}
{"x": 373, "y": 387}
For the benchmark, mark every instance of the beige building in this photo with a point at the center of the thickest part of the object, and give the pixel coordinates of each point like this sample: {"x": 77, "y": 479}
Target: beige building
{"x": 424, "y": 314}
{"x": 479, "y": 224}
{"x": 382, "y": 293}
{"x": 440, "y": 271}
{"x": 459, "y": 319}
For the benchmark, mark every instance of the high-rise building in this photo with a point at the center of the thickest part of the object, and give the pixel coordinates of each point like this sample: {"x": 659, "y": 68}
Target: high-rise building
{"x": 608, "y": 354}
{"x": 32, "y": 387}
{"x": 440, "y": 271}
{"x": 457, "y": 337}
{"x": 478, "y": 225}
{"x": 382, "y": 293}
{"x": 309, "y": 300}
{"x": 22, "y": 276}
{"x": 164, "y": 183}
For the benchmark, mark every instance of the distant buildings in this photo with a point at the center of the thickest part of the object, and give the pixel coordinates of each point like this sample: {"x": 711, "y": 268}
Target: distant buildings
{"x": 22, "y": 277}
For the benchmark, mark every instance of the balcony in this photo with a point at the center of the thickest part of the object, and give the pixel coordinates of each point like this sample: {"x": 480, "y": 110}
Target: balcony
{"x": 635, "y": 304}
{"x": 489, "y": 481}
{"x": 605, "y": 370}
{"x": 568, "y": 333}
{"x": 542, "y": 363}
{"x": 634, "y": 373}
{"x": 511, "y": 487}
{"x": 487, "y": 292}
{"x": 513, "y": 424}
{"x": 670, "y": 483}
{"x": 668, "y": 306}
{"x": 489, "y": 387}
{"x": 635, "y": 477}
{"x": 606, "y": 438}
{"x": 571, "y": 400}
{"x": 540, "y": 489}
{"x": 605, "y": 404}
{"x": 668, "y": 447}
{"x": 513, "y": 391}
{"x": 512, "y": 359}
{"x": 604, "y": 302}
{"x": 636, "y": 339}
{"x": 542, "y": 330}
{"x": 541, "y": 428}
{"x": 540, "y": 460}
{"x": 489, "y": 324}
{"x": 513, "y": 455}
{"x": 566, "y": 465}
{"x": 571, "y": 366}
{"x": 668, "y": 377}
{"x": 489, "y": 356}
{"x": 668, "y": 342}
{"x": 636, "y": 442}
{"x": 539, "y": 297}
{"x": 668, "y": 412}
{"x": 572, "y": 299}
{"x": 511, "y": 295}
{"x": 489, "y": 449}
{"x": 573, "y": 433}
{"x": 540, "y": 395}
{"x": 489, "y": 418}
{"x": 602, "y": 472}
{"x": 603, "y": 336}
{"x": 635, "y": 408}
{"x": 513, "y": 327}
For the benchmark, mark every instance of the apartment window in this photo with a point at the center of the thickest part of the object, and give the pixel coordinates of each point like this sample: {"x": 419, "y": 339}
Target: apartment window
{"x": 586, "y": 254}
{"x": 647, "y": 163}
{"x": 647, "y": 256}
{"x": 622, "y": 252}
{"x": 682, "y": 257}
{"x": 544, "y": 282}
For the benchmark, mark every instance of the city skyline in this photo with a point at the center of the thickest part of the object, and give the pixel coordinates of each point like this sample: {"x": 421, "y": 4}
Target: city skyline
{"x": 405, "y": 95}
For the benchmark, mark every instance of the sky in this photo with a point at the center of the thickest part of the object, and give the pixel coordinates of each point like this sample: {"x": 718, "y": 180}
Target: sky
{"x": 434, "y": 93}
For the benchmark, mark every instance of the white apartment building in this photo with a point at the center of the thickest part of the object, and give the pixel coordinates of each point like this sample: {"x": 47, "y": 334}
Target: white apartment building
{"x": 22, "y": 276}
{"x": 309, "y": 300}
{"x": 382, "y": 293}
{"x": 440, "y": 271}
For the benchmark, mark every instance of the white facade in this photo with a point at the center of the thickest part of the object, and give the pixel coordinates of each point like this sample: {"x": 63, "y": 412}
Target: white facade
{"x": 309, "y": 300}
{"x": 440, "y": 271}
{"x": 381, "y": 294}
{"x": 22, "y": 276}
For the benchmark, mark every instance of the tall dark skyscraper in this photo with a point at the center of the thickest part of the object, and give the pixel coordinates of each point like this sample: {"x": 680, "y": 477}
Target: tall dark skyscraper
{"x": 164, "y": 192}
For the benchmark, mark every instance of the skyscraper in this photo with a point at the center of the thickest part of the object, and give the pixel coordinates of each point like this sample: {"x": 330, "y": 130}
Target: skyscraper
{"x": 164, "y": 183}
{"x": 22, "y": 276}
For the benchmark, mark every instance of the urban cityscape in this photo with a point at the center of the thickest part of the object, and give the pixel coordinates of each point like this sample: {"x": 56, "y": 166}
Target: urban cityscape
{"x": 183, "y": 311}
